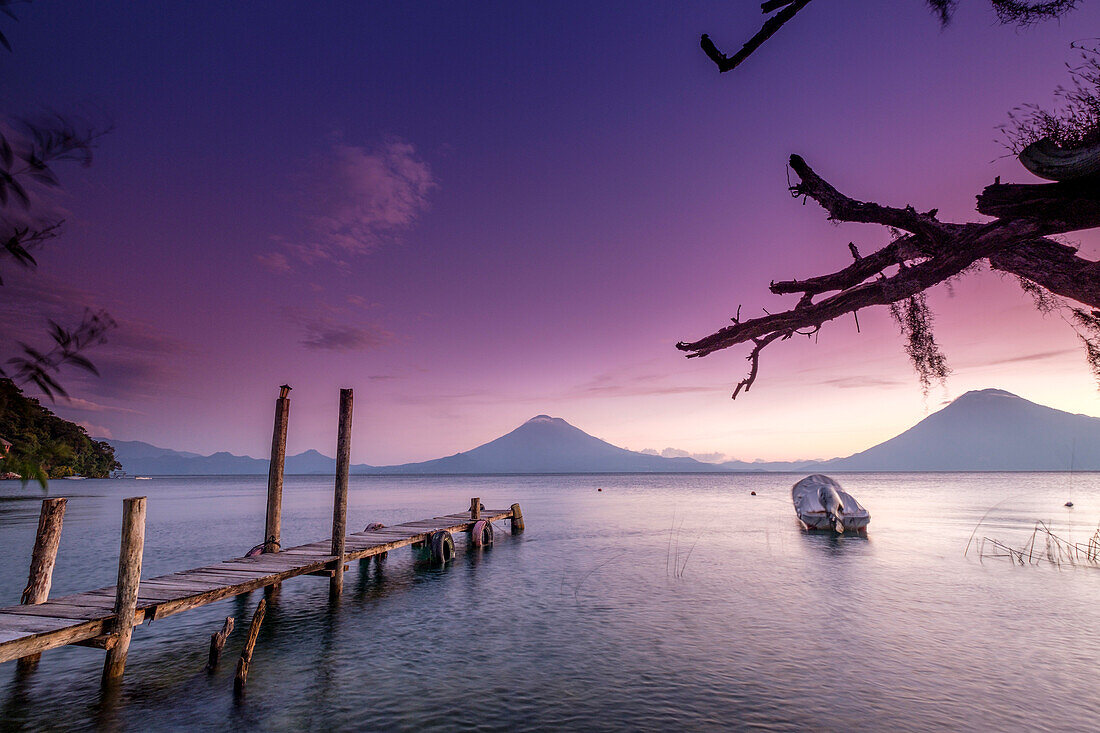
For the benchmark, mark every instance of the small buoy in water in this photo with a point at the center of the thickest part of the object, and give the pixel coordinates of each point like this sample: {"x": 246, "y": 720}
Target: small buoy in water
{"x": 1069, "y": 504}
{"x": 752, "y": 493}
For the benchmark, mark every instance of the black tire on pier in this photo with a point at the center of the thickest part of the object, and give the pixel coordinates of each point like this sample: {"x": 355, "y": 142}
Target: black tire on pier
{"x": 442, "y": 546}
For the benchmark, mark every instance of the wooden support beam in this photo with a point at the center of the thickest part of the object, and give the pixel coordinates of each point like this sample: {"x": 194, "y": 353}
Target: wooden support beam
{"x": 273, "y": 525}
{"x": 517, "y": 519}
{"x": 327, "y": 572}
{"x": 43, "y": 558}
{"x": 126, "y": 593}
{"x": 107, "y": 642}
{"x": 246, "y": 655}
{"x": 475, "y": 508}
{"x": 217, "y": 643}
{"x": 340, "y": 499}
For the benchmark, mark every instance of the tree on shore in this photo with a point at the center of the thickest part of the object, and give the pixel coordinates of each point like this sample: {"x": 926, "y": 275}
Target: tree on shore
{"x": 45, "y": 446}
{"x": 1062, "y": 146}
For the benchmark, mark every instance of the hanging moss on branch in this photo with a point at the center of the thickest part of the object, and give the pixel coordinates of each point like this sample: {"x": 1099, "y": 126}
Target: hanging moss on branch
{"x": 915, "y": 321}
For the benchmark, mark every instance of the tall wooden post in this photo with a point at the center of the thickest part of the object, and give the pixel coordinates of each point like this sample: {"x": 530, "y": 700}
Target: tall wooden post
{"x": 517, "y": 519}
{"x": 340, "y": 500}
{"x": 475, "y": 508}
{"x": 273, "y": 525}
{"x": 42, "y": 562}
{"x": 126, "y": 592}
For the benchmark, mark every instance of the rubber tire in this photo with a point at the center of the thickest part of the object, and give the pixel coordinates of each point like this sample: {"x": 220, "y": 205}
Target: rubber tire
{"x": 442, "y": 547}
{"x": 481, "y": 533}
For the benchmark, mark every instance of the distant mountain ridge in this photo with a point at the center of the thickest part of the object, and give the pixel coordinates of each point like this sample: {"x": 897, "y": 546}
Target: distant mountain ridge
{"x": 140, "y": 458}
{"x": 983, "y": 430}
{"x": 987, "y": 430}
{"x": 547, "y": 444}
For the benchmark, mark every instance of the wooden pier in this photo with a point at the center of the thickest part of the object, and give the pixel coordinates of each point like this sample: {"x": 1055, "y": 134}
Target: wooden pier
{"x": 105, "y": 618}
{"x": 87, "y": 619}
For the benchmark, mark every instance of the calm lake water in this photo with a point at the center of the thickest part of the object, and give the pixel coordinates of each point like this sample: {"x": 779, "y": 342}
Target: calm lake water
{"x": 662, "y": 602}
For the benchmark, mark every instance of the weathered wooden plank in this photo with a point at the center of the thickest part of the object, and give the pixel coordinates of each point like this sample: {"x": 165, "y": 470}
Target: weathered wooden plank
{"x": 229, "y": 572}
{"x": 26, "y": 643}
{"x": 220, "y": 579}
{"x": 11, "y": 635}
{"x": 278, "y": 561}
{"x": 169, "y": 608}
{"x": 153, "y": 595}
{"x": 272, "y": 560}
{"x": 87, "y": 598}
{"x": 272, "y": 569}
{"x": 193, "y": 577}
{"x": 61, "y": 610}
{"x": 36, "y": 624}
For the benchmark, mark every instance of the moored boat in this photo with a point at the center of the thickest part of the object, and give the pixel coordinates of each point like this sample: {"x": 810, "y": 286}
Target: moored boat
{"x": 820, "y": 503}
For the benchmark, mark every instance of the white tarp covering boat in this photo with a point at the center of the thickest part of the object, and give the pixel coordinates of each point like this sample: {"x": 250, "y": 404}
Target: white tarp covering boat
{"x": 820, "y": 503}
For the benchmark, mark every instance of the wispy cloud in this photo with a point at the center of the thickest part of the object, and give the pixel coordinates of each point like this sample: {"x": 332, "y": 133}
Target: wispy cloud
{"x": 326, "y": 334}
{"x": 621, "y": 383}
{"x": 96, "y": 431}
{"x": 858, "y": 381}
{"x": 357, "y": 199}
{"x": 681, "y": 453}
{"x": 1037, "y": 356}
{"x": 337, "y": 328}
{"x": 275, "y": 261}
{"x": 82, "y": 405}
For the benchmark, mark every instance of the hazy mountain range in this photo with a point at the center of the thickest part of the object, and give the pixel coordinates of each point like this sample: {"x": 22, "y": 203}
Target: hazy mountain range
{"x": 986, "y": 430}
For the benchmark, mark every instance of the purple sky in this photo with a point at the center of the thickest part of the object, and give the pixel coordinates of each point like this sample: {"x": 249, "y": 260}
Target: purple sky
{"x": 473, "y": 213}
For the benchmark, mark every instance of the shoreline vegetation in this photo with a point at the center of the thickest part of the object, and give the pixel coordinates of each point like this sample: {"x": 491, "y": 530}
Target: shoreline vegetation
{"x": 38, "y": 445}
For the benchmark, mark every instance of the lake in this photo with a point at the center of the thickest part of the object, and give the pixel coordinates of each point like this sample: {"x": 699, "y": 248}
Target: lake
{"x": 661, "y": 602}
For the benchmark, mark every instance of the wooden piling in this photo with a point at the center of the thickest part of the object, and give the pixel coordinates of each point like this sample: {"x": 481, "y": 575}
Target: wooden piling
{"x": 43, "y": 559}
{"x": 340, "y": 499}
{"x": 217, "y": 643}
{"x": 273, "y": 525}
{"x": 126, "y": 592}
{"x": 246, "y": 655}
{"x": 475, "y": 508}
{"x": 517, "y": 519}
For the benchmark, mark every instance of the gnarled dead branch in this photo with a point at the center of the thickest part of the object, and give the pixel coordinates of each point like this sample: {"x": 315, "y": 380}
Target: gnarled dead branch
{"x": 929, "y": 252}
{"x": 1016, "y": 12}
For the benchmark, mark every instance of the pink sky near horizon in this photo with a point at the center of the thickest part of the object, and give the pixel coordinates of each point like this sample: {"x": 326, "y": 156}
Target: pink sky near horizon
{"x": 473, "y": 215}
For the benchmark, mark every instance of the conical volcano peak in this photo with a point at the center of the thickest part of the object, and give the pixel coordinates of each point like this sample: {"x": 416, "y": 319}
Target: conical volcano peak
{"x": 543, "y": 419}
{"x": 991, "y": 392}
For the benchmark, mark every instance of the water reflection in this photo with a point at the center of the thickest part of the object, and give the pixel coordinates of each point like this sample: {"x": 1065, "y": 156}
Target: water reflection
{"x": 834, "y": 543}
{"x": 579, "y": 623}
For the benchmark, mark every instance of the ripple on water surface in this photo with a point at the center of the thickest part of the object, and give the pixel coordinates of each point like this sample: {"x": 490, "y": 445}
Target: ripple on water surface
{"x": 661, "y": 601}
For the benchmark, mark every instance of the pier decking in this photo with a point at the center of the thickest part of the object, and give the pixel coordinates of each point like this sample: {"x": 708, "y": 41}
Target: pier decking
{"x": 88, "y": 619}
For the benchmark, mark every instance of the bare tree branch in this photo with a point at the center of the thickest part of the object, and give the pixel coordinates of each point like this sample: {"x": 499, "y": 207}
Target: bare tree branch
{"x": 1018, "y": 12}
{"x": 1062, "y": 207}
{"x": 1054, "y": 267}
{"x": 771, "y": 25}
{"x": 933, "y": 251}
{"x": 844, "y": 208}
